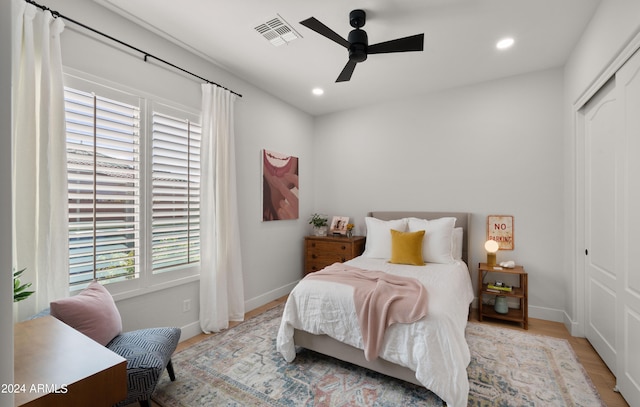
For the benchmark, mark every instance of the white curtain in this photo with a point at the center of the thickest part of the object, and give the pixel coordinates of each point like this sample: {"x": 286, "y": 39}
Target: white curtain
{"x": 39, "y": 177}
{"x": 221, "y": 283}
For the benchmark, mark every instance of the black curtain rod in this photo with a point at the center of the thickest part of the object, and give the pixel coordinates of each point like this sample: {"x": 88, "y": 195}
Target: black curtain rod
{"x": 146, "y": 54}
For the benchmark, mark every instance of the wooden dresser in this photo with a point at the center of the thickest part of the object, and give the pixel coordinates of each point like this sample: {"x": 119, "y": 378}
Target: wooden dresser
{"x": 322, "y": 251}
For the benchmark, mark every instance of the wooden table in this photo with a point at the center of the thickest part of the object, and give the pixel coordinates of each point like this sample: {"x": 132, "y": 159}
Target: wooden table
{"x": 55, "y": 365}
{"x": 521, "y": 293}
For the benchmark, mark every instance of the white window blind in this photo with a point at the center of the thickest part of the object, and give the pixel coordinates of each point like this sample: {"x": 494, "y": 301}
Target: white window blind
{"x": 104, "y": 188}
{"x": 176, "y": 192}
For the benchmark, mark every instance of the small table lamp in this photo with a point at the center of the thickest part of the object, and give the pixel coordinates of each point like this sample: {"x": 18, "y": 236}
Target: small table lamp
{"x": 491, "y": 246}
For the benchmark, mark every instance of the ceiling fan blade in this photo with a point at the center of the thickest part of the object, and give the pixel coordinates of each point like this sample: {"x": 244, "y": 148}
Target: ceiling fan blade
{"x": 411, "y": 43}
{"x": 347, "y": 71}
{"x": 315, "y": 25}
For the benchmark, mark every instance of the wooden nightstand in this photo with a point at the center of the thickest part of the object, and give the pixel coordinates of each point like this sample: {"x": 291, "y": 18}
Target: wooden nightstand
{"x": 323, "y": 251}
{"x": 520, "y": 315}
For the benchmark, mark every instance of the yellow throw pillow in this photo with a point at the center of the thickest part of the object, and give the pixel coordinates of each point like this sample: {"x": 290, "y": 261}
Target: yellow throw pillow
{"x": 406, "y": 247}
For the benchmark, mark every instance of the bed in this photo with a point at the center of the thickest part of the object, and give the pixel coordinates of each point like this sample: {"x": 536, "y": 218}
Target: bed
{"x": 432, "y": 352}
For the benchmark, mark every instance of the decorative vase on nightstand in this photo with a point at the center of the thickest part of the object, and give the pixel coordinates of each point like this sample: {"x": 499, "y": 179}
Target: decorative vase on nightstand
{"x": 320, "y": 230}
{"x": 501, "y": 306}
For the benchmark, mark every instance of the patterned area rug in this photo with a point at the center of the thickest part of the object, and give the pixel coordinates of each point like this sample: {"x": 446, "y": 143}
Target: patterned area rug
{"x": 241, "y": 367}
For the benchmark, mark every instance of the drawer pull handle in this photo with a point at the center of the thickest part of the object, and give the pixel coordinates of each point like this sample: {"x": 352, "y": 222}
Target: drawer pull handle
{"x": 344, "y": 247}
{"x": 313, "y": 245}
{"x": 313, "y": 256}
{"x": 343, "y": 259}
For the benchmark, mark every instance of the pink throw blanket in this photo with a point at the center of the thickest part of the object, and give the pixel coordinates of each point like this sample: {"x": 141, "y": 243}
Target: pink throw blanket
{"x": 381, "y": 299}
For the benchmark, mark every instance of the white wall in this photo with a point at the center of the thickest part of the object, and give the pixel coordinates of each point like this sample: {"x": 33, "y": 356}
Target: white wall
{"x": 613, "y": 25}
{"x": 272, "y": 251}
{"x": 6, "y": 284}
{"x": 490, "y": 148}
{"x": 611, "y": 28}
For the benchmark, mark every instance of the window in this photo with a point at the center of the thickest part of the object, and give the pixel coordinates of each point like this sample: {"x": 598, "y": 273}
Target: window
{"x": 176, "y": 192}
{"x": 103, "y": 167}
{"x": 133, "y": 193}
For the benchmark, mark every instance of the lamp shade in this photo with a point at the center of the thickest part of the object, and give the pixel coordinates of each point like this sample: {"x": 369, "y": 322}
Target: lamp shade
{"x": 491, "y": 246}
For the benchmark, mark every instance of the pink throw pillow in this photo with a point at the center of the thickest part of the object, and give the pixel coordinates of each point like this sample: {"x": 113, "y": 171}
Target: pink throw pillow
{"x": 92, "y": 312}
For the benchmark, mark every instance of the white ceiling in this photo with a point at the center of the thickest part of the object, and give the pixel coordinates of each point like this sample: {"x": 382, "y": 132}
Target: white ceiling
{"x": 459, "y": 49}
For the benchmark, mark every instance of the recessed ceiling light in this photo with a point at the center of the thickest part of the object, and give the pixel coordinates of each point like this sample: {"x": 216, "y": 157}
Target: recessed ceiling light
{"x": 317, "y": 91}
{"x": 505, "y": 43}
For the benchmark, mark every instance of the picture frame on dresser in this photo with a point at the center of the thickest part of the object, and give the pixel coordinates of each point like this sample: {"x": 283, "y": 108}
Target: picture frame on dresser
{"x": 339, "y": 225}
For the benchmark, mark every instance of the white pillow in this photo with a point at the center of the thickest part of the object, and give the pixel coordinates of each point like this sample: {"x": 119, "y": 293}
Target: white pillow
{"x": 437, "y": 245}
{"x": 458, "y": 234}
{"x": 378, "y": 244}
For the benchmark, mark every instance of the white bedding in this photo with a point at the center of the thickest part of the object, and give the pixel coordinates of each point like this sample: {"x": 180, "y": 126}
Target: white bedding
{"x": 434, "y": 347}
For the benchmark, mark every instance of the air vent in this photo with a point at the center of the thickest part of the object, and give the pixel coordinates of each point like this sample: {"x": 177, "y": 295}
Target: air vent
{"x": 277, "y": 31}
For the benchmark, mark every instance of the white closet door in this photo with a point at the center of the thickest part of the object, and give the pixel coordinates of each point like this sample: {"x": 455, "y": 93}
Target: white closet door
{"x": 612, "y": 226}
{"x": 628, "y": 308}
{"x": 600, "y": 135}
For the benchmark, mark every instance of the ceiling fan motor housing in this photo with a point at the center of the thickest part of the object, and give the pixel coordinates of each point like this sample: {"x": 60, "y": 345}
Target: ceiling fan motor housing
{"x": 358, "y": 48}
{"x": 357, "y": 18}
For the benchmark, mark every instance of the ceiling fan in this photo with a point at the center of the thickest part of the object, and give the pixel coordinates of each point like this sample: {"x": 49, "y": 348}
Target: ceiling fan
{"x": 358, "y": 43}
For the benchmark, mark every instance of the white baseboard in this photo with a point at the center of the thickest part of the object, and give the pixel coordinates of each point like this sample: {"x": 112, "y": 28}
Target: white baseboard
{"x": 262, "y": 299}
{"x": 193, "y": 329}
{"x": 573, "y": 327}
{"x": 190, "y": 330}
{"x": 548, "y": 314}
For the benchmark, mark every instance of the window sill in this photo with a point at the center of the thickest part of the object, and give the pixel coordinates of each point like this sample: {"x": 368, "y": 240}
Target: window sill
{"x": 139, "y": 291}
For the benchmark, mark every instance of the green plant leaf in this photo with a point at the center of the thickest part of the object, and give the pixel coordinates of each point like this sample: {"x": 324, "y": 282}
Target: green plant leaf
{"x": 22, "y": 296}
{"x": 18, "y": 273}
{"x": 19, "y": 292}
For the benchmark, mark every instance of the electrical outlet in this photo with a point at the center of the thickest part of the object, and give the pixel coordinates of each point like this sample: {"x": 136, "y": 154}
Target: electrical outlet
{"x": 186, "y": 305}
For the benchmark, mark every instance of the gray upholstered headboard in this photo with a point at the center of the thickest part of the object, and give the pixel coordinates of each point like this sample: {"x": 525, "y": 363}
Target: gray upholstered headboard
{"x": 463, "y": 220}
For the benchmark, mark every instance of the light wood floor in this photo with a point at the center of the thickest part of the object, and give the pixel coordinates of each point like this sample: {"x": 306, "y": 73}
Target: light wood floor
{"x": 595, "y": 367}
